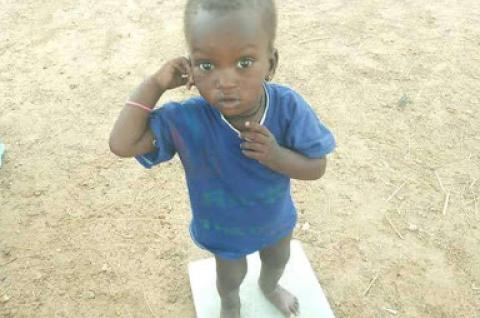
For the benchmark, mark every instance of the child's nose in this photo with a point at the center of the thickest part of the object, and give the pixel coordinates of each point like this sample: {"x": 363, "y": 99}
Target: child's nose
{"x": 226, "y": 79}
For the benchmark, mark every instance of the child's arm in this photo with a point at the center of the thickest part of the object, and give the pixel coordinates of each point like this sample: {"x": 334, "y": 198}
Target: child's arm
{"x": 261, "y": 145}
{"x": 131, "y": 135}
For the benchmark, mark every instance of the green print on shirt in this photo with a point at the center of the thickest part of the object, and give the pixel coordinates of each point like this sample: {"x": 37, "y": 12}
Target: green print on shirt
{"x": 233, "y": 231}
{"x": 219, "y": 198}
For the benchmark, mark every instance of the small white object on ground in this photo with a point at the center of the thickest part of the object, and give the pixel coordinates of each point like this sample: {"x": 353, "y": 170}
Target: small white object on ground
{"x": 4, "y": 299}
{"x": 298, "y": 278}
{"x": 412, "y": 227}
{"x": 2, "y": 151}
{"x": 306, "y": 226}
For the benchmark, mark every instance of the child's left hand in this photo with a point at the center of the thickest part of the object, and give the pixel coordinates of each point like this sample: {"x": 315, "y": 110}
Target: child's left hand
{"x": 260, "y": 144}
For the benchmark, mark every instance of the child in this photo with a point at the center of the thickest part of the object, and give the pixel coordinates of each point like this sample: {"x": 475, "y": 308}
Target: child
{"x": 240, "y": 142}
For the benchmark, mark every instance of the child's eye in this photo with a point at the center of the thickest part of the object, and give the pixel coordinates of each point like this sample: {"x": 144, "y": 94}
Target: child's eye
{"x": 207, "y": 67}
{"x": 245, "y": 63}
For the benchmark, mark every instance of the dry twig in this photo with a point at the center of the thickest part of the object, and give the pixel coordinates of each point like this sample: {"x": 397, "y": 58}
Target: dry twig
{"x": 472, "y": 184}
{"x": 365, "y": 293}
{"x": 394, "y": 228}
{"x": 440, "y": 182}
{"x": 395, "y": 192}
{"x": 313, "y": 40}
{"x": 148, "y": 305}
{"x": 390, "y": 311}
{"x": 475, "y": 204}
{"x": 445, "y": 205}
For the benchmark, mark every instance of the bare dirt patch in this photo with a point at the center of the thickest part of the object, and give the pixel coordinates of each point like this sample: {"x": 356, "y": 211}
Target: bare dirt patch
{"x": 84, "y": 234}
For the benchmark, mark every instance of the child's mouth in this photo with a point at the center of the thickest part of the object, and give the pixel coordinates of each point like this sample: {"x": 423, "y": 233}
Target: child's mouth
{"x": 229, "y": 102}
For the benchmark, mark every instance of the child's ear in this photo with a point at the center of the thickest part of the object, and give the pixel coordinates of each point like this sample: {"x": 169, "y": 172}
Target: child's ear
{"x": 273, "y": 60}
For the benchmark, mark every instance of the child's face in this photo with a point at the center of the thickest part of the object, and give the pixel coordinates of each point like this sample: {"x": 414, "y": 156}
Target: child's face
{"x": 230, "y": 59}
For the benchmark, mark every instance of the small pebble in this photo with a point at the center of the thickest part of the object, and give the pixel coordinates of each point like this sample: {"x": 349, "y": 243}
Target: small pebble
{"x": 404, "y": 101}
{"x": 90, "y": 294}
{"x": 6, "y": 251}
{"x": 4, "y": 299}
{"x": 412, "y": 227}
{"x": 306, "y": 226}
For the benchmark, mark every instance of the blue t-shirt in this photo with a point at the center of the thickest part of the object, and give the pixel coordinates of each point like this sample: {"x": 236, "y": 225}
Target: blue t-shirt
{"x": 238, "y": 205}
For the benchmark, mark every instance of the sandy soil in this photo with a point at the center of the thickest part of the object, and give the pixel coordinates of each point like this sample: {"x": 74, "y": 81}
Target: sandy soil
{"x": 85, "y": 234}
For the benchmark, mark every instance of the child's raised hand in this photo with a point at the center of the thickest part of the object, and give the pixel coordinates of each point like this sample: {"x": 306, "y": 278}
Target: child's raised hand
{"x": 260, "y": 144}
{"x": 175, "y": 73}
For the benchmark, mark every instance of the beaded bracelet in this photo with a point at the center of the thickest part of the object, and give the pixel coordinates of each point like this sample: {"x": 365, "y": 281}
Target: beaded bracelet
{"x": 148, "y": 109}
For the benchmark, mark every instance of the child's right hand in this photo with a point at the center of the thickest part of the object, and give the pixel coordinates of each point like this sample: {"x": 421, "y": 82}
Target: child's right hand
{"x": 175, "y": 73}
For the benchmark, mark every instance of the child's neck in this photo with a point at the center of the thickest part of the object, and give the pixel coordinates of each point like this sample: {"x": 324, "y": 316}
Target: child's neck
{"x": 254, "y": 116}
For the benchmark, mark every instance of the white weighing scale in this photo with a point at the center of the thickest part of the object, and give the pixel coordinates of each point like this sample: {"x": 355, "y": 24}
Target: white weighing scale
{"x": 298, "y": 278}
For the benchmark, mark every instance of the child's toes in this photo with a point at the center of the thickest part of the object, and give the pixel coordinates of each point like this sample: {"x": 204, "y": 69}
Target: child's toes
{"x": 295, "y": 308}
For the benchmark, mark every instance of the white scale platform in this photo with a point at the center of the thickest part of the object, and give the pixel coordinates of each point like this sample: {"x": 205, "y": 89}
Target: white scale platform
{"x": 298, "y": 278}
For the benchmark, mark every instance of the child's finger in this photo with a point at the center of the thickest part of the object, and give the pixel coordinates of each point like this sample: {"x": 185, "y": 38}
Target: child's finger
{"x": 179, "y": 73}
{"x": 251, "y": 154}
{"x": 254, "y": 136}
{"x": 254, "y": 126}
{"x": 252, "y": 146}
{"x": 178, "y": 69}
{"x": 188, "y": 73}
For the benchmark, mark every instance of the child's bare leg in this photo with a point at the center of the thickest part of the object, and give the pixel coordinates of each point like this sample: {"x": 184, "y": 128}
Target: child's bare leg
{"x": 230, "y": 274}
{"x": 274, "y": 258}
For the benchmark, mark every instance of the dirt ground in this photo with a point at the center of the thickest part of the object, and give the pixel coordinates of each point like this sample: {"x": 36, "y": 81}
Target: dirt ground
{"x": 392, "y": 229}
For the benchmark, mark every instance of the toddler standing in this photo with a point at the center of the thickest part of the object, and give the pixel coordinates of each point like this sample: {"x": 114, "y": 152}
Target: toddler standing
{"x": 240, "y": 142}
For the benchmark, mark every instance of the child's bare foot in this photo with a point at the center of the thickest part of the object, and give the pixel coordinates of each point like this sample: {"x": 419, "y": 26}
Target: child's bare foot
{"x": 230, "y": 308}
{"x": 283, "y": 300}
{"x": 230, "y": 312}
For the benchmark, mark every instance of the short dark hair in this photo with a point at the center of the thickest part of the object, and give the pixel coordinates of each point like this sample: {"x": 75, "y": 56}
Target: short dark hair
{"x": 266, "y": 8}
